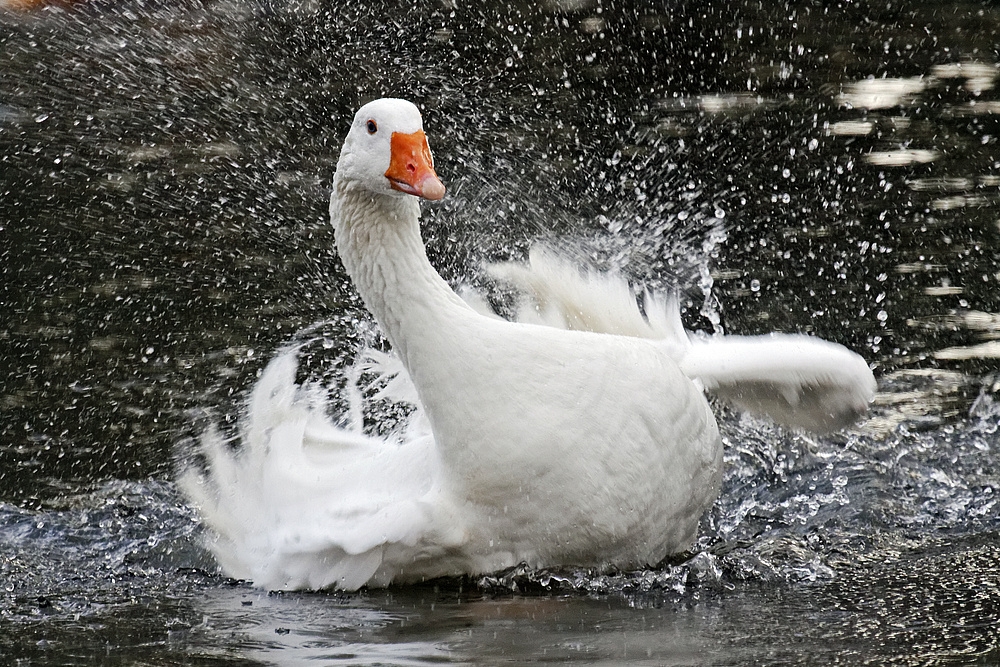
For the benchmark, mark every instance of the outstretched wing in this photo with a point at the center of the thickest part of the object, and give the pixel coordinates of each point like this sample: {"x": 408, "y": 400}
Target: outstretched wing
{"x": 796, "y": 380}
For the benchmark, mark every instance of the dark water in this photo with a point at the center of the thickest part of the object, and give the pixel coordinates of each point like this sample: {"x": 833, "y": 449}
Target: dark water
{"x": 788, "y": 166}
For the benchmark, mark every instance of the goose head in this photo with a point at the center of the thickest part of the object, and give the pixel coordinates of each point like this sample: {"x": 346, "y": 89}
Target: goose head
{"x": 386, "y": 152}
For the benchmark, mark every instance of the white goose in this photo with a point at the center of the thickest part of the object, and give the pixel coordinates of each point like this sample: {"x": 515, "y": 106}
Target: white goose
{"x": 580, "y": 440}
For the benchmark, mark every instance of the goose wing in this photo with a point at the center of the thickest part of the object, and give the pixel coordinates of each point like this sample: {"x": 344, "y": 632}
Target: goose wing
{"x": 796, "y": 380}
{"x": 305, "y": 503}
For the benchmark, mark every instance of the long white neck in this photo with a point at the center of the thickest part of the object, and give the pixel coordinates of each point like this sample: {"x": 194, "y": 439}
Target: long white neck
{"x": 378, "y": 239}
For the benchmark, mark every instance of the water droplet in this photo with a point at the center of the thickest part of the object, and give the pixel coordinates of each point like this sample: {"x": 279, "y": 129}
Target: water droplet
{"x": 882, "y": 316}
{"x": 754, "y": 285}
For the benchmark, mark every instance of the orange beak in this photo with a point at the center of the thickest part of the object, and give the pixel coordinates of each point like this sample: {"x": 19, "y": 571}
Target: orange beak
{"x": 411, "y": 169}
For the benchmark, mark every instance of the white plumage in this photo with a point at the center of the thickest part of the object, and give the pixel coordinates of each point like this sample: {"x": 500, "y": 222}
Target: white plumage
{"x": 578, "y": 436}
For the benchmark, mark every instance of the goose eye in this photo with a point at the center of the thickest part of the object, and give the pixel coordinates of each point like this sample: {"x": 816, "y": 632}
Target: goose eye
{"x": 372, "y": 127}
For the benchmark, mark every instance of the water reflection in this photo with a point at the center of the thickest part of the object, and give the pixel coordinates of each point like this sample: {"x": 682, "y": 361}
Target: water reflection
{"x": 903, "y": 157}
{"x": 461, "y": 630}
{"x": 886, "y": 93}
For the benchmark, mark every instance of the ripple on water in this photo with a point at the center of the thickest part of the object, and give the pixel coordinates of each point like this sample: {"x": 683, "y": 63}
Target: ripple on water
{"x": 92, "y": 551}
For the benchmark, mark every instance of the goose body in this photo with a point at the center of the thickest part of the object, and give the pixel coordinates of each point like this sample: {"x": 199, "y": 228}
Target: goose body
{"x": 583, "y": 439}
